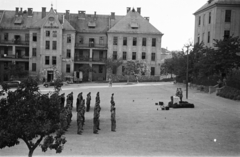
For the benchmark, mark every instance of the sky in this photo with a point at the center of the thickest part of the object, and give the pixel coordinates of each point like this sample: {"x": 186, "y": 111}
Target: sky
{"x": 174, "y": 18}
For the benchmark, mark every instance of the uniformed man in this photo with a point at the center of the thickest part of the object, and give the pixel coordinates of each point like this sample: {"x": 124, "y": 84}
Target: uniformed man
{"x": 62, "y": 100}
{"x": 79, "y": 99}
{"x": 88, "y": 101}
{"x": 95, "y": 119}
{"x": 83, "y": 111}
{"x": 113, "y": 119}
{"x": 79, "y": 121}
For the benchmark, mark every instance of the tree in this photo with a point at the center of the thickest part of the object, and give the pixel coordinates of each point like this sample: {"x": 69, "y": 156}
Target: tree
{"x": 112, "y": 64}
{"x": 33, "y": 117}
{"x": 168, "y": 66}
{"x": 16, "y": 71}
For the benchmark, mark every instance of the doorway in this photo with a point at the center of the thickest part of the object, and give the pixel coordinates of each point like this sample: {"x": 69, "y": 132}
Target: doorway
{"x": 91, "y": 42}
{"x": 49, "y": 76}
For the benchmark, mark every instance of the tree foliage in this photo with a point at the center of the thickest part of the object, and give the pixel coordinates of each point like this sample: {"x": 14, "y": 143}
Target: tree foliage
{"x": 28, "y": 115}
{"x": 112, "y": 64}
{"x": 16, "y": 71}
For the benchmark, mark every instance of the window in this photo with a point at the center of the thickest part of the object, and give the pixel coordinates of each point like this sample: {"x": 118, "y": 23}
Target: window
{"x": 144, "y": 42}
{"x": 203, "y": 37}
{"x": 226, "y": 34}
{"x": 101, "y": 40}
{"x": 114, "y": 70}
{"x": 6, "y": 36}
{"x": 198, "y": 39}
{"x": 69, "y": 38}
{"x": 134, "y": 41}
{"x": 209, "y": 18}
{"x": 208, "y": 37}
{"x": 68, "y": 69}
{"x": 81, "y": 40}
{"x": 34, "y": 67}
{"x": 101, "y": 55}
{"x": 68, "y": 53}
{"x": 47, "y": 33}
{"x": 47, "y": 46}
{"x": 26, "y": 65}
{"x": 114, "y": 55}
{"x": 153, "y": 42}
{"x": 153, "y": 57}
{"x": 152, "y": 71}
{"x": 100, "y": 69}
{"x": 35, "y": 37}
{"x": 143, "y": 55}
{"x": 54, "y": 60}
{"x": 199, "y": 20}
{"x": 123, "y": 69}
{"x": 115, "y": 40}
{"x": 124, "y": 55}
{"x": 54, "y": 34}
{"x": 27, "y": 37}
{"x": 228, "y": 16}
{"x": 54, "y": 45}
{"x": 133, "y": 55}
{"x": 203, "y": 19}
{"x": 34, "y": 52}
{"x": 46, "y": 60}
{"x": 124, "y": 41}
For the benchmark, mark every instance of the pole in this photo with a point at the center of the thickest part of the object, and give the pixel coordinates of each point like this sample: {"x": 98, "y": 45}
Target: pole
{"x": 187, "y": 77}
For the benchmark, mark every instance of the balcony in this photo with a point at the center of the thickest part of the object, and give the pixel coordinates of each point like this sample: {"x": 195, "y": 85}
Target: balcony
{"x": 91, "y": 45}
{"x": 5, "y": 57}
{"x": 14, "y": 42}
{"x": 87, "y": 59}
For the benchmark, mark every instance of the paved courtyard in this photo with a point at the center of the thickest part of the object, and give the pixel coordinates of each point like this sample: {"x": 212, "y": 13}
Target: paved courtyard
{"x": 212, "y": 128}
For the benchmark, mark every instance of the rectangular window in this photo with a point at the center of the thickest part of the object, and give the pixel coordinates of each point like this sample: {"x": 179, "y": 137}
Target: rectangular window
{"x": 134, "y": 41}
{"x": 203, "y": 19}
{"x": 198, "y": 39}
{"x": 100, "y": 69}
{"x": 114, "y": 55}
{"x": 47, "y": 33}
{"x": 68, "y": 69}
{"x": 54, "y": 60}
{"x": 134, "y": 56}
{"x": 68, "y": 53}
{"x": 35, "y": 37}
{"x": 114, "y": 70}
{"x": 54, "y": 34}
{"x": 34, "y": 52}
{"x": 228, "y": 16}
{"x": 199, "y": 20}
{"x": 143, "y": 55}
{"x": 27, "y": 37}
{"x": 81, "y": 40}
{"x": 54, "y": 45}
{"x": 124, "y": 41}
{"x": 123, "y": 69}
{"x": 34, "y": 67}
{"x": 101, "y": 41}
{"x": 153, "y": 42}
{"x": 46, "y": 60}
{"x": 69, "y": 38}
{"x": 209, "y": 18}
{"x": 144, "y": 42}
{"x": 115, "y": 40}
{"x": 226, "y": 34}
{"x": 124, "y": 55}
{"x": 26, "y": 66}
{"x": 208, "y": 37}
{"x": 6, "y": 36}
{"x": 153, "y": 57}
{"x": 152, "y": 71}
{"x": 101, "y": 55}
{"x": 26, "y": 51}
{"x": 47, "y": 46}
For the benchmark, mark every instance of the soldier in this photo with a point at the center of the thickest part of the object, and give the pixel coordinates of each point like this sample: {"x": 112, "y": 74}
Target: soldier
{"x": 79, "y": 99}
{"x": 62, "y": 100}
{"x": 83, "y": 111}
{"x": 95, "y": 119}
{"x": 113, "y": 119}
{"x": 79, "y": 121}
{"x": 179, "y": 93}
{"x": 88, "y": 101}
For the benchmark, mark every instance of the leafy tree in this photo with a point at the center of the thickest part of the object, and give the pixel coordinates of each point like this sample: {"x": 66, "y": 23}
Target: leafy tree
{"x": 168, "y": 66}
{"x": 112, "y": 64}
{"x": 16, "y": 71}
{"x": 28, "y": 115}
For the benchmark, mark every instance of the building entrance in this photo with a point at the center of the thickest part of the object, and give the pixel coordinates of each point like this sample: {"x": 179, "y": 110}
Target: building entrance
{"x": 49, "y": 76}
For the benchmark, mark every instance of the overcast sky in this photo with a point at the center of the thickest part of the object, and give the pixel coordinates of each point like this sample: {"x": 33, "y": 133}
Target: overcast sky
{"x": 174, "y": 18}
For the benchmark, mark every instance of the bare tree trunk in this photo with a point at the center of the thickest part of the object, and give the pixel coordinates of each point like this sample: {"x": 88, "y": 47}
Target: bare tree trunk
{"x": 30, "y": 153}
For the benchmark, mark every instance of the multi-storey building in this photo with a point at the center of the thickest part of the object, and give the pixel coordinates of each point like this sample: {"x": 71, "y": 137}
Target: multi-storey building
{"x": 52, "y": 44}
{"x": 217, "y": 19}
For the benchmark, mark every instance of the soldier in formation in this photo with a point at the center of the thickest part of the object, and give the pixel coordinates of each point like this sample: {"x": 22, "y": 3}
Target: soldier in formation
{"x": 88, "y": 101}
{"x": 62, "y": 100}
{"x": 79, "y": 99}
{"x": 96, "y": 115}
{"x": 113, "y": 114}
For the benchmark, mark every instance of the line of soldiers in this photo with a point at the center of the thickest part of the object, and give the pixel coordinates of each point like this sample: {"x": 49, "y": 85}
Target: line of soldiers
{"x": 96, "y": 115}
{"x": 66, "y": 111}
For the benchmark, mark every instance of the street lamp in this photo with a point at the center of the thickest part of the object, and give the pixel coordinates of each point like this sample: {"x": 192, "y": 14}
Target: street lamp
{"x": 188, "y": 46}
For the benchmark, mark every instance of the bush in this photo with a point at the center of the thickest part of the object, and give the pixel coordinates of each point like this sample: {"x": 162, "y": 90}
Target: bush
{"x": 233, "y": 80}
{"x": 229, "y": 93}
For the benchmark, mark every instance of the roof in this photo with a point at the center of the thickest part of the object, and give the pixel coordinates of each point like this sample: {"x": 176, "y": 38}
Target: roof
{"x": 133, "y": 22}
{"x": 216, "y": 2}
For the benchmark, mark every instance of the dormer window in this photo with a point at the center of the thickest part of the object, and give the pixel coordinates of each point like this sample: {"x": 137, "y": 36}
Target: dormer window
{"x": 18, "y": 21}
{"x": 134, "y": 25}
{"x": 91, "y": 24}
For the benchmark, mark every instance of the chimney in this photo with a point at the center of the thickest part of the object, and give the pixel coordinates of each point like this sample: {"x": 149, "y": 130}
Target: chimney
{"x": 128, "y": 9}
{"x": 20, "y": 12}
{"x": 95, "y": 15}
{"x": 112, "y": 16}
{"x": 16, "y": 13}
{"x": 67, "y": 15}
{"x": 147, "y": 18}
{"x": 30, "y": 12}
{"x": 139, "y": 10}
{"x": 81, "y": 14}
{"x": 43, "y": 12}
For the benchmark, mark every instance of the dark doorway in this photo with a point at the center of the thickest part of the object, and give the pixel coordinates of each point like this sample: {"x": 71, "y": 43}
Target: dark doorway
{"x": 49, "y": 76}
{"x": 91, "y": 42}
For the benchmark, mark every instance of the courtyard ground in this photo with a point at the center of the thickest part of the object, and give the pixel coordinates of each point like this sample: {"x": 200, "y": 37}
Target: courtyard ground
{"x": 212, "y": 128}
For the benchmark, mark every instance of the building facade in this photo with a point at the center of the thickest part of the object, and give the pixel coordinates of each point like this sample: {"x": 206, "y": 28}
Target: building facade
{"x": 52, "y": 44}
{"x": 217, "y": 19}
